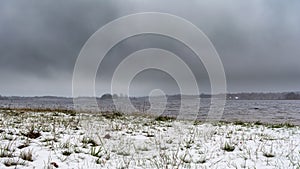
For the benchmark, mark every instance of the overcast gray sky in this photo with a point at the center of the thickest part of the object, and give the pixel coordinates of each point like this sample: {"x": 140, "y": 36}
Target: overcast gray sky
{"x": 258, "y": 43}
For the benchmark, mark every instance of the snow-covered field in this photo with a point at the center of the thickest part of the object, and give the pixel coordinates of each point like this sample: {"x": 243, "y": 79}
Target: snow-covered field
{"x": 68, "y": 140}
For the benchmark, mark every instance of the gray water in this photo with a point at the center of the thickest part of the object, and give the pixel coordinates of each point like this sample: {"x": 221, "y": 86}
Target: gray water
{"x": 270, "y": 111}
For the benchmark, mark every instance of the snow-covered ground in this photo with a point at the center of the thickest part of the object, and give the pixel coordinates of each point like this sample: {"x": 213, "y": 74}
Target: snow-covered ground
{"x": 67, "y": 140}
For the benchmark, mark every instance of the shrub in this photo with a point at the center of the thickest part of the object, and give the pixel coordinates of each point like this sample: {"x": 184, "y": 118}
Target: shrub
{"x": 32, "y": 133}
{"x": 26, "y": 155}
{"x": 228, "y": 147}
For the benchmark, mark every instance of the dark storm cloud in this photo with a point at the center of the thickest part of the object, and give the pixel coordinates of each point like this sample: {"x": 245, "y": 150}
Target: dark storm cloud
{"x": 40, "y": 41}
{"x": 38, "y": 36}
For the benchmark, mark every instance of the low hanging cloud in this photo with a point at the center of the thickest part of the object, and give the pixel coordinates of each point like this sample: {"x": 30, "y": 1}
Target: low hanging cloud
{"x": 40, "y": 40}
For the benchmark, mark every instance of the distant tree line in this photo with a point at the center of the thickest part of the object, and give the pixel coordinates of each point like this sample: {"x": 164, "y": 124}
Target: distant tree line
{"x": 261, "y": 96}
{"x": 229, "y": 96}
{"x": 292, "y": 96}
{"x": 233, "y": 96}
{"x": 2, "y": 98}
{"x": 108, "y": 96}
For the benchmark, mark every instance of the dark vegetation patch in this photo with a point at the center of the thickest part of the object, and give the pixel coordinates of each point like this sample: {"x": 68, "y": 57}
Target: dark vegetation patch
{"x": 112, "y": 114}
{"x": 23, "y": 146}
{"x": 11, "y": 162}
{"x": 27, "y": 156}
{"x": 19, "y": 111}
{"x": 89, "y": 141}
{"x": 66, "y": 153}
{"x": 228, "y": 147}
{"x": 32, "y": 133}
{"x": 165, "y": 118}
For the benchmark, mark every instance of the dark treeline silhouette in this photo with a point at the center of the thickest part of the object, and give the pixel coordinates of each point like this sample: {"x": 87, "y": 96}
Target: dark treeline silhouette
{"x": 263, "y": 96}
{"x": 108, "y": 96}
{"x": 229, "y": 96}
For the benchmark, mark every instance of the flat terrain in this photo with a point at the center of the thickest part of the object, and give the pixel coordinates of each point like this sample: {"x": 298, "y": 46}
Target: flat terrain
{"x": 68, "y": 140}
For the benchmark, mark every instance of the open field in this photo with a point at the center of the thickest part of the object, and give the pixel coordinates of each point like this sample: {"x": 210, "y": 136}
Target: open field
{"x": 68, "y": 140}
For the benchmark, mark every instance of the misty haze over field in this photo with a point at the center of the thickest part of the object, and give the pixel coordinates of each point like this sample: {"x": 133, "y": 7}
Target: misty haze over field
{"x": 257, "y": 41}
